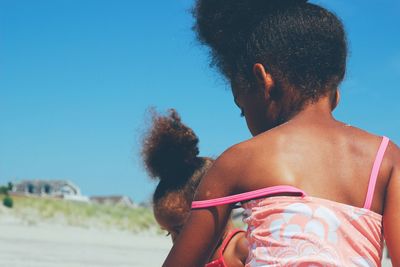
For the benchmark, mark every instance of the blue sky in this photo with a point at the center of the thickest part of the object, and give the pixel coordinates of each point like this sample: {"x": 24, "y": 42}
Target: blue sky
{"x": 76, "y": 78}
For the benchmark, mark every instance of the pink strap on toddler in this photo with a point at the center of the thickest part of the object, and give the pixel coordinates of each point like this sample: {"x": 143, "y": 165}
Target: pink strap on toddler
{"x": 273, "y": 190}
{"x": 227, "y": 239}
{"x": 375, "y": 172}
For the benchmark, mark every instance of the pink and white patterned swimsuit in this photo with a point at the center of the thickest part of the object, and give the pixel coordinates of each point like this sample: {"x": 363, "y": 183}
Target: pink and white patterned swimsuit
{"x": 308, "y": 231}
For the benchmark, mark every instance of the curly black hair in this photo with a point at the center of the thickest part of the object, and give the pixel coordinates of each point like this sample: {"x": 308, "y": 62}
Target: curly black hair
{"x": 302, "y": 45}
{"x": 170, "y": 154}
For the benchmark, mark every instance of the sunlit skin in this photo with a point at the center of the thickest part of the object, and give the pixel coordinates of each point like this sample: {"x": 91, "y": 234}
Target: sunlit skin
{"x": 311, "y": 150}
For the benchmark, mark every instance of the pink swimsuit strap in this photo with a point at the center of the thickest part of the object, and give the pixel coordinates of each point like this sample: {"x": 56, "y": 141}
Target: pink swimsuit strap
{"x": 273, "y": 190}
{"x": 375, "y": 172}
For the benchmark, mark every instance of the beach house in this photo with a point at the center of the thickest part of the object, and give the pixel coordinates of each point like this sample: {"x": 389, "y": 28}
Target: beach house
{"x": 51, "y": 188}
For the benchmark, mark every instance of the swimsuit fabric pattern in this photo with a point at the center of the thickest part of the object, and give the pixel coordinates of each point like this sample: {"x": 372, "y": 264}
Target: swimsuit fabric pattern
{"x": 307, "y": 231}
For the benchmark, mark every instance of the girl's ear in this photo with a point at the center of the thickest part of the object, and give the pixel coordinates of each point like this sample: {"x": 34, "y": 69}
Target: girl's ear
{"x": 264, "y": 79}
{"x": 336, "y": 99}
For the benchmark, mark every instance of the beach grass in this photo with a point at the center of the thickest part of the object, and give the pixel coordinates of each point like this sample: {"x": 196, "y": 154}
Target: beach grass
{"x": 34, "y": 210}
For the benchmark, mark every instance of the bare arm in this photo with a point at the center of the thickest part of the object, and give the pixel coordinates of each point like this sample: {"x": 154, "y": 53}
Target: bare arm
{"x": 391, "y": 216}
{"x": 204, "y": 228}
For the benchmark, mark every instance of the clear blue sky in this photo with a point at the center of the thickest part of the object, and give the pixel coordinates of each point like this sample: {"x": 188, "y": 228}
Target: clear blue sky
{"x": 77, "y": 76}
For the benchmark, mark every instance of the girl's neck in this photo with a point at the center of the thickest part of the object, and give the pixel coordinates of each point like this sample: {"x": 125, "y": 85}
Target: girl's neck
{"x": 320, "y": 111}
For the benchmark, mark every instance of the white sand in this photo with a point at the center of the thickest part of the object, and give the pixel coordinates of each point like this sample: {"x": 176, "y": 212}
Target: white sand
{"x": 64, "y": 246}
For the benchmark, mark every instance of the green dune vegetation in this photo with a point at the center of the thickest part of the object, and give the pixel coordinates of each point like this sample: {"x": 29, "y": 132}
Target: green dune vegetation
{"x": 35, "y": 210}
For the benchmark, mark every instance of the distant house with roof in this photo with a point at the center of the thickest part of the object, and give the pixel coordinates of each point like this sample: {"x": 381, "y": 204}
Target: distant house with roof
{"x": 52, "y": 188}
{"x": 113, "y": 200}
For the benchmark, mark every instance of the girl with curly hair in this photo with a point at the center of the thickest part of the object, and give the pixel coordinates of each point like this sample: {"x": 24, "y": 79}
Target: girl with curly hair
{"x": 316, "y": 191}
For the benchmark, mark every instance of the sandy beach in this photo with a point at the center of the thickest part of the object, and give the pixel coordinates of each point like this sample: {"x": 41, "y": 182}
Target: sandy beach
{"x": 49, "y": 245}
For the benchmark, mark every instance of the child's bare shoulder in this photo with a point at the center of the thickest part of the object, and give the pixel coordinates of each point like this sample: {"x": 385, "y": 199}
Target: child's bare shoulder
{"x": 222, "y": 178}
{"x": 231, "y": 158}
{"x": 366, "y": 139}
{"x": 394, "y": 155}
{"x": 240, "y": 152}
{"x": 229, "y": 168}
{"x": 369, "y": 143}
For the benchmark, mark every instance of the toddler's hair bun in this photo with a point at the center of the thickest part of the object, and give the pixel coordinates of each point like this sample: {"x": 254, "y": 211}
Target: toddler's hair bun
{"x": 170, "y": 149}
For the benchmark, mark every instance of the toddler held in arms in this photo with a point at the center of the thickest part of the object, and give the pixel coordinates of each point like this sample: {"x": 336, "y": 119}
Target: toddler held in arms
{"x": 170, "y": 154}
